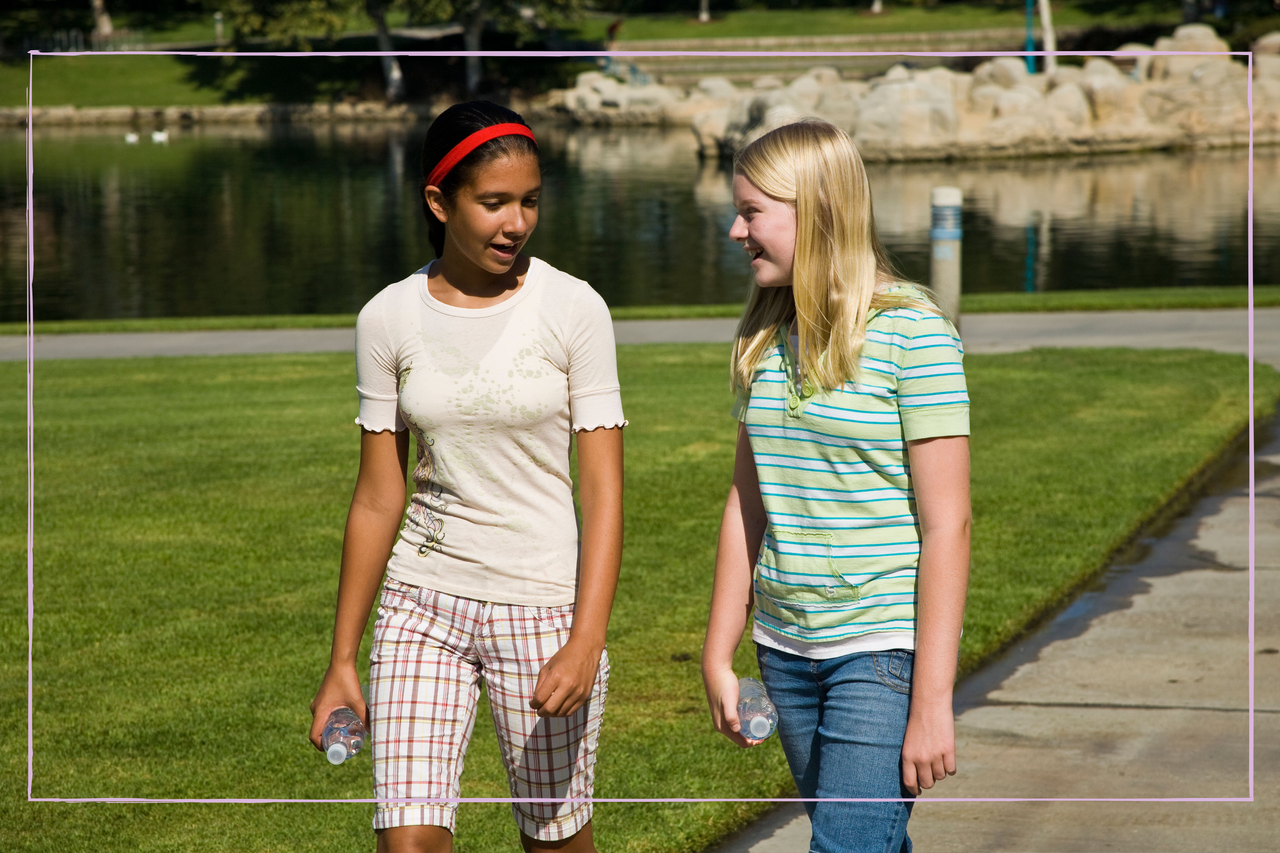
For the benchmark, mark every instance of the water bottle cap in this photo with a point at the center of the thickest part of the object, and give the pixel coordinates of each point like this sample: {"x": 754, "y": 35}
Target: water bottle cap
{"x": 337, "y": 753}
{"x": 759, "y": 727}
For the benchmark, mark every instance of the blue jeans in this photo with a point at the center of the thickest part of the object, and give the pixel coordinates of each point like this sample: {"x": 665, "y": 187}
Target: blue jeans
{"x": 841, "y": 722}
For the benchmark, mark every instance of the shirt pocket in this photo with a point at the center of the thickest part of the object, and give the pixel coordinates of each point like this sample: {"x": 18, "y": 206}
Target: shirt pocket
{"x": 798, "y": 570}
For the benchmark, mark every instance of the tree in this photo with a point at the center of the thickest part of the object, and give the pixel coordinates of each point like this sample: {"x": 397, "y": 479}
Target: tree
{"x": 391, "y": 73}
{"x": 522, "y": 18}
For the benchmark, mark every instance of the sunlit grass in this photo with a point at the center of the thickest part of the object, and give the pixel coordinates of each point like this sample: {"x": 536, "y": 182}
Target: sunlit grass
{"x": 188, "y": 522}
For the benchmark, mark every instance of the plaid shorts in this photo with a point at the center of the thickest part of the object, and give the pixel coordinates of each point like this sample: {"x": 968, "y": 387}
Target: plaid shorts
{"x": 430, "y": 650}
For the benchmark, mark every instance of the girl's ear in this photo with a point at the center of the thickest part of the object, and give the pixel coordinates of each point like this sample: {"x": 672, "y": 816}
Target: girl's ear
{"x": 435, "y": 200}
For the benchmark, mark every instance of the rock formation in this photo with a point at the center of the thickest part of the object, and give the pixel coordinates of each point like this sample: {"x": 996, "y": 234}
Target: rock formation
{"x": 1140, "y": 98}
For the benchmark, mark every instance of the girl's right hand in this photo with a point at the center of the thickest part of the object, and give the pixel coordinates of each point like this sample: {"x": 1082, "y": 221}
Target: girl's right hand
{"x": 722, "y": 696}
{"x": 340, "y": 688}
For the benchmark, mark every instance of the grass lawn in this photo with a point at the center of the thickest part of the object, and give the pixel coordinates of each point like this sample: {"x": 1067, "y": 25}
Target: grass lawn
{"x": 855, "y": 19}
{"x": 188, "y": 522}
{"x": 1187, "y": 298}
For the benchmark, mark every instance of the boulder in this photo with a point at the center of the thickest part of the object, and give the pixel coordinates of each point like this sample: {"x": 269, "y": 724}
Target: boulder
{"x": 1018, "y": 100}
{"x": 710, "y": 127}
{"x": 1065, "y": 74}
{"x": 1107, "y": 95}
{"x": 719, "y": 88}
{"x": 1003, "y": 71}
{"x": 1268, "y": 44}
{"x": 1266, "y": 66}
{"x": 907, "y": 114}
{"x": 826, "y": 75}
{"x": 840, "y": 105}
{"x": 1068, "y": 109}
{"x": 896, "y": 74}
{"x": 1137, "y": 66}
{"x": 767, "y": 83}
{"x": 1098, "y": 66}
{"x": 1188, "y": 37}
{"x": 805, "y": 91}
{"x": 983, "y": 98}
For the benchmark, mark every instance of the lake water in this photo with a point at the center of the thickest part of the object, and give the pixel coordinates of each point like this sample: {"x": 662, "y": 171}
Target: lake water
{"x": 253, "y": 220}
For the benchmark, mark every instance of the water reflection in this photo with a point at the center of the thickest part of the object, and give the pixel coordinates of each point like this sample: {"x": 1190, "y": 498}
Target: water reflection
{"x": 254, "y": 220}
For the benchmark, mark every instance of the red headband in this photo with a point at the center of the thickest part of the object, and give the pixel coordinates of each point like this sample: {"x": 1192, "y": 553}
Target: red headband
{"x": 471, "y": 143}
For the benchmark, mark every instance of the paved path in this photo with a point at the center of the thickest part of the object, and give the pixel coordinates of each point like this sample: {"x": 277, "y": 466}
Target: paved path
{"x": 1222, "y": 330}
{"x": 1139, "y": 689}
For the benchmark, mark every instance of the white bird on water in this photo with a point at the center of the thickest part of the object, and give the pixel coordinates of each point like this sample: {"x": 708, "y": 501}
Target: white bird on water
{"x": 159, "y": 136}
{"x": 131, "y": 138}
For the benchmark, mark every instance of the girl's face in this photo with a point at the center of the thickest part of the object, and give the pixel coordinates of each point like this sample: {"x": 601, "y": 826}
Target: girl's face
{"x": 766, "y": 228}
{"x": 492, "y": 216}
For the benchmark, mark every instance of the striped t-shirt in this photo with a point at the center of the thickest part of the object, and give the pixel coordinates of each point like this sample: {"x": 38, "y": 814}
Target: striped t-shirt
{"x": 842, "y": 544}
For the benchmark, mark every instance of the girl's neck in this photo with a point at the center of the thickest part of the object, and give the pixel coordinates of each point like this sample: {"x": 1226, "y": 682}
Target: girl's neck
{"x": 464, "y": 285}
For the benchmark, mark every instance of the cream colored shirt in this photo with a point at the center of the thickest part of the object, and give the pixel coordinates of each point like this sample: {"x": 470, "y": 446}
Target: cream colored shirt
{"x": 491, "y": 395}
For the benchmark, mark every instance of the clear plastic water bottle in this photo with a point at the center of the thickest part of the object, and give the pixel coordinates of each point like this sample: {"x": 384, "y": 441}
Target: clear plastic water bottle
{"x": 344, "y": 735}
{"x": 757, "y": 718}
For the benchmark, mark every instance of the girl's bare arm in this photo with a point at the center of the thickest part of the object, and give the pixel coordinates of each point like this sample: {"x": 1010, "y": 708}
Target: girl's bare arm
{"x": 741, "y": 531}
{"x": 565, "y": 682}
{"x": 372, "y": 522}
{"x": 940, "y": 478}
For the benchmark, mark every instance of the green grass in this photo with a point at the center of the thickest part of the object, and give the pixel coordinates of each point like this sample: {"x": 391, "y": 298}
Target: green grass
{"x": 896, "y": 19}
{"x": 1188, "y": 298}
{"x": 188, "y": 522}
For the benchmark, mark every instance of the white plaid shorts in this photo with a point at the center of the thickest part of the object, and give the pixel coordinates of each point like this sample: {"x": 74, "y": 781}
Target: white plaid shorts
{"x": 430, "y": 650}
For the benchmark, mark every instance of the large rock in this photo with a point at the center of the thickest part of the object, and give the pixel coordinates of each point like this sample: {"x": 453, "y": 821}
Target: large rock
{"x": 1188, "y": 37}
{"x": 1065, "y": 74}
{"x": 1268, "y": 44}
{"x": 840, "y": 105}
{"x": 1003, "y": 71}
{"x": 907, "y": 114}
{"x": 718, "y": 88}
{"x": 1068, "y": 109}
{"x": 1107, "y": 87}
{"x": 1018, "y": 101}
{"x": 1266, "y": 66}
{"x": 983, "y": 98}
{"x": 710, "y": 128}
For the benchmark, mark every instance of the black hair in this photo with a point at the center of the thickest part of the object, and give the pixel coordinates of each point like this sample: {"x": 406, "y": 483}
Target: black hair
{"x": 451, "y": 127}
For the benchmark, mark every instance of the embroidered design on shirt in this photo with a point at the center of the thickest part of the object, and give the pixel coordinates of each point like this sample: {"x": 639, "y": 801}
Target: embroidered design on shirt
{"x": 426, "y": 494}
{"x": 426, "y": 497}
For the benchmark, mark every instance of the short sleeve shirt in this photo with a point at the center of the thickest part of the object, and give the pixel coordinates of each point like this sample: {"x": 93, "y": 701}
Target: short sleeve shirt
{"x": 842, "y": 543}
{"x": 491, "y": 395}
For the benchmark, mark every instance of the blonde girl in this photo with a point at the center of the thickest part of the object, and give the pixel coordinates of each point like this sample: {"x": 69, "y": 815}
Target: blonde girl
{"x": 845, "y": 537}
{"x": 496, "y": 362}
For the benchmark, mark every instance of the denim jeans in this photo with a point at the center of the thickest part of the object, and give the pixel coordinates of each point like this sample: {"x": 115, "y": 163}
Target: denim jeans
{"x": 841, "y": 722}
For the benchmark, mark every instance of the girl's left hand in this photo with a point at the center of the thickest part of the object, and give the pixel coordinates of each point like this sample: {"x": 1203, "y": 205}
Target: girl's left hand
{"x": 929, "y": 748}
{"x": 565, "y": 682}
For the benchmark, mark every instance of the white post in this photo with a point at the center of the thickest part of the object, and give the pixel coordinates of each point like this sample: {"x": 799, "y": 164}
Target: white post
{"x": 944, "y": 235}
{"x": 1050, "y": 39}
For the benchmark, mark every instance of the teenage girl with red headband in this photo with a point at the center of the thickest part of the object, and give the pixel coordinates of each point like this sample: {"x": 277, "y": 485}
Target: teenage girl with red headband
{"x": 494, "y": 361}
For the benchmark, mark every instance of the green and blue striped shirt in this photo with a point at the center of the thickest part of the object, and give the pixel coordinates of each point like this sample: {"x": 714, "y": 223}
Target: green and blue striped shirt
{"x": 842, "y": 544}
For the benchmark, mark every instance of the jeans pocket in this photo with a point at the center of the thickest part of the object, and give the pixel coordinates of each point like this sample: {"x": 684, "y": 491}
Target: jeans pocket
{"x": 893, "y": 668}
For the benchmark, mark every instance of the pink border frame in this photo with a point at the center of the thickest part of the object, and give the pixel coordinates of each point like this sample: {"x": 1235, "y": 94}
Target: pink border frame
{"x": 621, "y": 53}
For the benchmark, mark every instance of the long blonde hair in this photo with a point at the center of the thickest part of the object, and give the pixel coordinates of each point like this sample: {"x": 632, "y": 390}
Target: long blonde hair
{"x": 838, "y": 263}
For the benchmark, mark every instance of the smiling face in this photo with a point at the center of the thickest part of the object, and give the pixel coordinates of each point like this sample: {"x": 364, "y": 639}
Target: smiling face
{"x": 766, "y": 228}
{"x": 491, "y": 217}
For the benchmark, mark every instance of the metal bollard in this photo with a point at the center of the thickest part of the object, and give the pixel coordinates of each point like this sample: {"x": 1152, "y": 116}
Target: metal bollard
{"x": 944, "y": 234}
